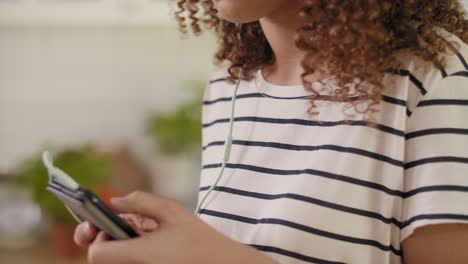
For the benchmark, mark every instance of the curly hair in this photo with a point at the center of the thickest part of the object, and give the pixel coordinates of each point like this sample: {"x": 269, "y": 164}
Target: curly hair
{"x": 355, "y": 39}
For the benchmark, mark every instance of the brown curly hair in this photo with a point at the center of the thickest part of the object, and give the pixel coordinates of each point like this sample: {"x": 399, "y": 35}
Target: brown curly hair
{"x": 356, "y": 39}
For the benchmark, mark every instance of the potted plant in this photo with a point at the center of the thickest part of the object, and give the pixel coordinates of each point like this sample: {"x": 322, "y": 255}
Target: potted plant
{"x": 179, "y": 132}
{"x": 86, "y": 166}
{"x": 178, "y": 136}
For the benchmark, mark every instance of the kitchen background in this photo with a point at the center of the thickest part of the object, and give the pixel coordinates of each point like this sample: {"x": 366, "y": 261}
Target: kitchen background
{"x": 107, "y": 79}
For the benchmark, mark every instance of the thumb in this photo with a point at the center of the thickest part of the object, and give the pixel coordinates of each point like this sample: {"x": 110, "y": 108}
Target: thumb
{"x": 145, "y": 204}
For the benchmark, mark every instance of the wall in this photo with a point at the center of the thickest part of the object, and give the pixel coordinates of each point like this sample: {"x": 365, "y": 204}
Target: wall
{"x": 70, "y": 84}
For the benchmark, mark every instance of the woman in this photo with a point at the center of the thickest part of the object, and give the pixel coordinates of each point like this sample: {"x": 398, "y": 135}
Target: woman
{"x": 350, "y": 139}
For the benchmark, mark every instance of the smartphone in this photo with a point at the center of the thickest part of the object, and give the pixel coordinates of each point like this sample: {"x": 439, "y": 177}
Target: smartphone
{"x": 84, "y": 205}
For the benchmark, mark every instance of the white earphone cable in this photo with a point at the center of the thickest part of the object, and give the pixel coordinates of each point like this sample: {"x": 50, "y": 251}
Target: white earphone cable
{"x": 227, "y": 147}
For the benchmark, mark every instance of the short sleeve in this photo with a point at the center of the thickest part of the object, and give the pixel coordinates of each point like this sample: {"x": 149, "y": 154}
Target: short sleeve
{"x": 436, "y": 158}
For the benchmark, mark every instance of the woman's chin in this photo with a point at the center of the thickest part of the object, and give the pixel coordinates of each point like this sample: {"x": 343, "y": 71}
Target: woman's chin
{"x": 237, "y": 19}
{"x": 236, "y": 11}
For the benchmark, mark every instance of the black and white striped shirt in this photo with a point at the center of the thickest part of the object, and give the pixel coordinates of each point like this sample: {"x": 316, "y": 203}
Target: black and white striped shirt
{"x": 328, "y": 191}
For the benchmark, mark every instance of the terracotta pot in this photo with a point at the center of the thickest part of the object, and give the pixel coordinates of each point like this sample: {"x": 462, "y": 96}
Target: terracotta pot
{"x": 62, "y": 241}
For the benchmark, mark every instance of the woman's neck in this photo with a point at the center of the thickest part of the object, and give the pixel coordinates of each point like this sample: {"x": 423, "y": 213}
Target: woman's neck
{"x": 280, "y": 29}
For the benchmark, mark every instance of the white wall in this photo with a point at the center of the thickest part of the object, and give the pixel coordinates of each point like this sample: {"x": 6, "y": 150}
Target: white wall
{"x": 70, "y": 84}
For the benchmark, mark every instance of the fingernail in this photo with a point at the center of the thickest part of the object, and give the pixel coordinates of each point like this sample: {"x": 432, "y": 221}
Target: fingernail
{"x": 117, "y": 200}
{"x": 149, "y": 224}
{"x": 88, "y": 227}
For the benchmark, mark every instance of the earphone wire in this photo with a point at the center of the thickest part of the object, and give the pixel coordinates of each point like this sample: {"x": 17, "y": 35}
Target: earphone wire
{"x": 229, "y": 138}
{"x": 227, "y": 147}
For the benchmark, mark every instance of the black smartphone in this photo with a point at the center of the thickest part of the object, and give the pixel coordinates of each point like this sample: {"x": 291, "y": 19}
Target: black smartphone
{"x": 86, "y": 206}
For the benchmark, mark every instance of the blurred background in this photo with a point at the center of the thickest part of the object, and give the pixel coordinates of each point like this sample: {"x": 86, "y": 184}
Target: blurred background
{"x": 113, "y": 91}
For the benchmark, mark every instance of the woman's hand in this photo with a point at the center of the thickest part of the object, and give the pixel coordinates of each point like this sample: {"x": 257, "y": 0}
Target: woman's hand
{"x": 181, "y": 238}
{"x": 85, "y": 233}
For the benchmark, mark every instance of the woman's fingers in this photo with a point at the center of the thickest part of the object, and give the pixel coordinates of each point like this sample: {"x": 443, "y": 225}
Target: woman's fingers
{"x": 149, "y": 205}
{"x": 140, "y": 223}
{"x": 84, "y": 234}
{"x": 115, "y": 251}
{"x": 148, "y": 224}
{"x": 129, "y": 219}
{"x": 101, "y": 237}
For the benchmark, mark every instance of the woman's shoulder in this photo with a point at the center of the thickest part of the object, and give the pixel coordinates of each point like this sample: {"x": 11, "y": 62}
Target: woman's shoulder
{"x": 219, "y": 85}
{"x": 219, "y": 75}
{"x": 455, "y": 62}
{"x": 424, "y": 76}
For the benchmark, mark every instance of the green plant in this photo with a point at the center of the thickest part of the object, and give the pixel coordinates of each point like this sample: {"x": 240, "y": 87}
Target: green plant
{"x": 85, "y": 166}
{"x": 179, "y": 132}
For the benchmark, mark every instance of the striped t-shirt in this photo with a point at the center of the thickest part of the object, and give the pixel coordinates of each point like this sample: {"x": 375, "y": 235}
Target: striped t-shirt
{"x": 325, "y": 190}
